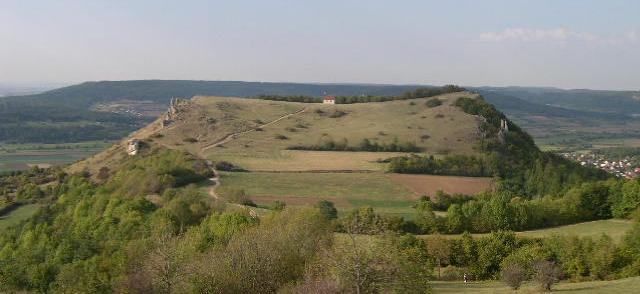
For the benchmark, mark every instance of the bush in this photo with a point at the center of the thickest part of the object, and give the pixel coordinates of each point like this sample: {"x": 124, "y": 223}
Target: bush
{"x": 327, "y": 209}
{"x": 278, "y": 205}
{"x": 452, "y": 273}
{"x": 434, "y": 102}
{"x": 281, "y": 137}
{"x": 190, "y": 140}
{"x": 239, "y": 197}
{"x": 337, "y": 113}
{"x": 227, "y": 166}
{"x": 547, "y": 274}
{"x": 513, "y": 275}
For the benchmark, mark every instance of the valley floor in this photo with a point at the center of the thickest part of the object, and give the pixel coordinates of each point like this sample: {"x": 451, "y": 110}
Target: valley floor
{"x": 24, "y": 156}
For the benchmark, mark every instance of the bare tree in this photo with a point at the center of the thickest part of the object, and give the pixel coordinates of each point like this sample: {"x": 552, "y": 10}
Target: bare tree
{"x": 440, "y": 249}
{"x": 547, "y": 273}
{"x": 513, "y": 275}
{"x": 163, "y": 265}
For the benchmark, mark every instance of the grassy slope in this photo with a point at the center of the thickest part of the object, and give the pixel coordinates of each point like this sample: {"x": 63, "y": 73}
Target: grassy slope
{"x": 615, "y": 228}
{"x": 454, "y": 132}
{"x": 623, "y": 286}
{"x": 19, "y": 214}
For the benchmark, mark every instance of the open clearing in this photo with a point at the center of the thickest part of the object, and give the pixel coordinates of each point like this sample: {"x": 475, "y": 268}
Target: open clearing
{"x": 296, "y": 160}
{"x": 346, "y": 190}
{"x": 622, "y": 286}
{"x": 430, "y": 184}
{"x": 17, "y": 215}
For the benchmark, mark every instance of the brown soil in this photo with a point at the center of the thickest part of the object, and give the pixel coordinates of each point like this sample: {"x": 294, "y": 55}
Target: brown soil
{"x": 429, "y": 184}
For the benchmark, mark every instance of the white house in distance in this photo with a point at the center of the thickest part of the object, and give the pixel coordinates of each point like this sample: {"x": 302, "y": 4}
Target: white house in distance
{"x": 329, "y": 100}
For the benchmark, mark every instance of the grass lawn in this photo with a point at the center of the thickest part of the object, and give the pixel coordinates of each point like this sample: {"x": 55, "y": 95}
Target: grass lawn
{"x": 19, "y": 214}
{"x": 622, "y": 286}
{"x": 346, "y": 190}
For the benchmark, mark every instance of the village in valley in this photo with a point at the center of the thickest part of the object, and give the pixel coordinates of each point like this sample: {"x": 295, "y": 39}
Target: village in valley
{"x": 625, "y": 167}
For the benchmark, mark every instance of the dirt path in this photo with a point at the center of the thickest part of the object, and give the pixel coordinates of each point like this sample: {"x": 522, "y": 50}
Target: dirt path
{"x": 232, "y": 136}
{"x": 215, "y": 181}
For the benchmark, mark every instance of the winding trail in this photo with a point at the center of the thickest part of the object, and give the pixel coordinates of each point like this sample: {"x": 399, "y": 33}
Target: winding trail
{"x": 230, "y": 137}
{"x": 215, "y": 180}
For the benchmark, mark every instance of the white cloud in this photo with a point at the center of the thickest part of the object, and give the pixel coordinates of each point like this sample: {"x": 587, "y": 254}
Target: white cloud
{"x": 534, "y": 35}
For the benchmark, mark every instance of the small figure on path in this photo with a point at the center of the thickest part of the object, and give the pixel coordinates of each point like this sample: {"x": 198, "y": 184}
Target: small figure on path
{"x": 466, "y": 278}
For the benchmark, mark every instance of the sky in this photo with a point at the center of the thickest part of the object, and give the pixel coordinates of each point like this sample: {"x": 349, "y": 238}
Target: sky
{"x": 555, "y": 43}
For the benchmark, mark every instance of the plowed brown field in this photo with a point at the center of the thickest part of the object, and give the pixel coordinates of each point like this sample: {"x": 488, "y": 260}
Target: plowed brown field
{"x": 429, "y": 184}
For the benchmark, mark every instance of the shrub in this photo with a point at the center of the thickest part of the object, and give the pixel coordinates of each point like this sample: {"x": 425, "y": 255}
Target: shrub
{"x": 278, "y": 205}
{"x": 327, "y": 209}
{"x": 452, "y": 273}
{"x": 281, "y": 137}
{"x": 239, "y": 197}
{"x": 433, "y": 102}
{"x": 337, "y": 113}
{"x": 547, "y": 274}
{"x": 190, "y": 140}
{"x": 227, "y": 166}
{"x": 513, "y": 275}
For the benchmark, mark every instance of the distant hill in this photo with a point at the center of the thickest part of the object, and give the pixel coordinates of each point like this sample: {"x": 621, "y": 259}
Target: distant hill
{"x": 615, "y": 102}
{"x": 110, "y": 110}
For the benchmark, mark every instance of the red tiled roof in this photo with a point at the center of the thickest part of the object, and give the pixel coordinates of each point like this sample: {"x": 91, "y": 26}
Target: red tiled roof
{"x": 329, "y": 97}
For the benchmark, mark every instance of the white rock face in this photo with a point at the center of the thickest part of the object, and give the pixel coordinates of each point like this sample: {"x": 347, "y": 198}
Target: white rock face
{"x": 133, "y": 146}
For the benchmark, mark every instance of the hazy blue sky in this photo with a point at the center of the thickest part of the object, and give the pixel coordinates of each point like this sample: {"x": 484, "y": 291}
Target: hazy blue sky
{"x": 569, "y": 44}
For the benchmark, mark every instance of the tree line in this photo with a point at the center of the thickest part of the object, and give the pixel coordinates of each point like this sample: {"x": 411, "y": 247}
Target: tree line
{"x": 364, "y": 145}
{"x": 417, "y": 93}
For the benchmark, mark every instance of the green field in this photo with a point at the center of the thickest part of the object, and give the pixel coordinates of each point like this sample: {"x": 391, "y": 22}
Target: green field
{"x": 346, "y": 190}
{"x": 615, "y": 228}
{"x": 19, "y": 214}
{"x": 24, "y": 156}
{"x": 623, "y": 286}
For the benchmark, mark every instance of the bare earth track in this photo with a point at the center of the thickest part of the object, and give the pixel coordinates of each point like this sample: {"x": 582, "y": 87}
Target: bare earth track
{"x": 232, "y": 136}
